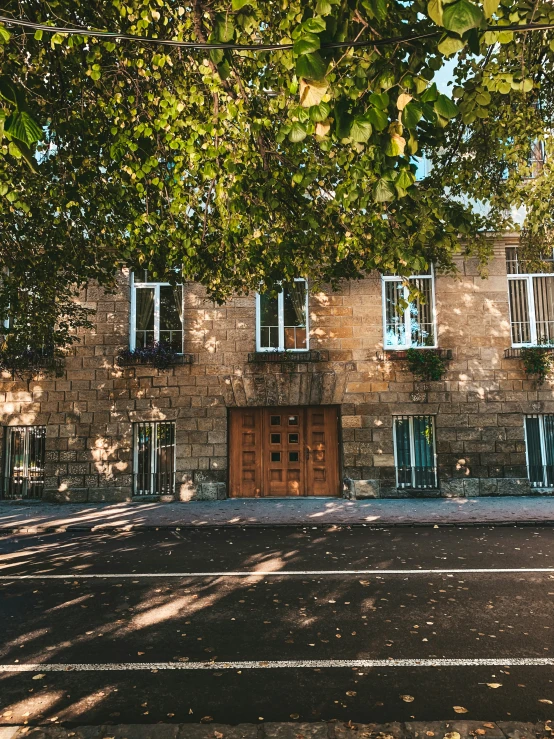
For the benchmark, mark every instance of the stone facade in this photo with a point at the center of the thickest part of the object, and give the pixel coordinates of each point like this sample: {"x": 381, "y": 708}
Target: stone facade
{"x": 479, "y": 405}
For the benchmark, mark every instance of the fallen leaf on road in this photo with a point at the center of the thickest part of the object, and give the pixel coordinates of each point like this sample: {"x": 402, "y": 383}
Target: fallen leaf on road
{"x": 480, "y": 732}
{"x": 351, "y": 693}
{"x": 140, "y": 653}
{"x": 494, "y": 685}
{"x": 460, "y": 709}
{"x": 206, "y": 719}
{"x": 452, "y": 735}
{"x": 408, "y": 698}
{"x": 489, "y": 726}
{"x": 294, "y": 715}
{"x": 218, "y": 735}
{"x": 545, "y": 700}
{"x": 429, "y": 733}
{"x": 38, "y": 677}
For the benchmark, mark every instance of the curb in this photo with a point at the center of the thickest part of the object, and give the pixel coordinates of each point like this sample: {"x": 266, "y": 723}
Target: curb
{"x": 101, "y": 528}
{"x": 292, "y": 730}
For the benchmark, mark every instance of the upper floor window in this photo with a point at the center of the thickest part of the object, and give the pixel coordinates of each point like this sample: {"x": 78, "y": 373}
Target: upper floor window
{"x": 156, "y": 313}
{"x": 282, "y": 321}
{"x": 531, "y": 299}
{"x": 409, "y": 321}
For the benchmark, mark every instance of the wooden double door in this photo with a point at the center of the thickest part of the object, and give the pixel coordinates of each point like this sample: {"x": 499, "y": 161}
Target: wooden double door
{"x": 284, "y": 451}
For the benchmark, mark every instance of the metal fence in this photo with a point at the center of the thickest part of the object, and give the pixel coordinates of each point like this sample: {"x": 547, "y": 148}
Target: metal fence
{"x": 154, "y": 458}
{"x": 25, "y": 450}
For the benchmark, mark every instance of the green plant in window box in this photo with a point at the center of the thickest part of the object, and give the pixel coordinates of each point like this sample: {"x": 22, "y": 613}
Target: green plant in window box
{"x": 537, "y": 360}
{"x": 426, "y": 364}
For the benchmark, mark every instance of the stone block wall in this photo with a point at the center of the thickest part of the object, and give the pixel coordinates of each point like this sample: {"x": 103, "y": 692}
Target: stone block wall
{"x": 479, "y": 405}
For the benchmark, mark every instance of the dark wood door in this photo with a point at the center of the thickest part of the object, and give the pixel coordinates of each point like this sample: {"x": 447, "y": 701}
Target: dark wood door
{"x": 283, "y": 452}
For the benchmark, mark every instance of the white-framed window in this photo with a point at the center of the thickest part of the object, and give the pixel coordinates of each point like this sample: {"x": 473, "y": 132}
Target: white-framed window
{"x": 154, "y": 458}
{"x": 409, "y": 322}
{"x": 539, "y": 446}
{"x": 282, "y": 321}
{"x": 156, "y": 313}
{"x": 25, "y": 452}
{"x": 415, "y": 452}
{"x": 531, "y": 301}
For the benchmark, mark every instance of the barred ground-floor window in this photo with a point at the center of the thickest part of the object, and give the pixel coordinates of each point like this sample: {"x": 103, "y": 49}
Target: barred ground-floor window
{"x": 154, "y": 458}
{"x": 539, "y": 439}
{"x": 414, "y": 451}
{"x": 24, "y": 454}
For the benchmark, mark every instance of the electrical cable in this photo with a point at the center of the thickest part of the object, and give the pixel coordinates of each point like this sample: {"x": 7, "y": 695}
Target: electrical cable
{"x": 528, "y": 27}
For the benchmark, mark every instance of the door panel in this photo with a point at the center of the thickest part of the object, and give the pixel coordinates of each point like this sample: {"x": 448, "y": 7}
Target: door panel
{"x": 322, "y": 458}
{"x": 245, "y": 453}
{"x": 284, "y": 452}
{"x": 283, "y": 446}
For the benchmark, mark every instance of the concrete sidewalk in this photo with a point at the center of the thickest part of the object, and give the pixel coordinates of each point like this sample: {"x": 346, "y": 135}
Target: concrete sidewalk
{"x": 31, "y": 518}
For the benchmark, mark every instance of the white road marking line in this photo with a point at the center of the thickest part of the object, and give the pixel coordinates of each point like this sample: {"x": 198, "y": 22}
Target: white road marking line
{"x": 280, "y": 573}
{"x": 294, "y": 664}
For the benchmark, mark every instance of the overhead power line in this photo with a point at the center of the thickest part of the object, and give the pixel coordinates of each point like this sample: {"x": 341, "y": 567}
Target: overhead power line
{"x": 81, "y": 31}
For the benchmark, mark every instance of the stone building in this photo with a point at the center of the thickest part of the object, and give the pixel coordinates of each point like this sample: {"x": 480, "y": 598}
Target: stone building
{"x": 268, "y": 399}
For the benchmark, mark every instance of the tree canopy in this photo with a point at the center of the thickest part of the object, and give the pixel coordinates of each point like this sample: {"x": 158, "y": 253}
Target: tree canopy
{"x": 240, "y": 168}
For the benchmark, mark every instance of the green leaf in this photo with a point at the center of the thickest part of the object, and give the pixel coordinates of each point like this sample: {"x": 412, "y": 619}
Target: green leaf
{"x": 376, "y": 8}
{"x": 323, "y": 7}
{"x": 490, "y": 7}
{"x": 5, "y": 35}
{"x": 430, "y": 94}
{"x": 378, "y": 118}
{"x": 405, "y": 179}
{"x": 306, "y": 44}
{"x": 240, "y": 4}
{"x": 411, "y": 115}
{"x": 311, "y": 66}
{"x": 445, "y": 107}
{"x": 434, "y": 11}
{"x": 38, "y": 34}
{"x": 314, "y": 25}
{"x": 297, "y": 132}
{"x": 483, "y": 98}
{"x": 379, "y": 100}
{"x": 224, "y": 69}
{"x": 395, "y": 146}
{"x": 450, "y": 45}
{"x": 343, "y": 120}
{"x": 216, "y": 55}
{"x": 21, "y": 126}
{"x": 8, "y": 91}
{"x": 461, "y": 16}
{"x": 319, "y": 112}
{"x": 361, "y": 129}
{"x": 224, "y": 29}
{"x": 383, "y": 191}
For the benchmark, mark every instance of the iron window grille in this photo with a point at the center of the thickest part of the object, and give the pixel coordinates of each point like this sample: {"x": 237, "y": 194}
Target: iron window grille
{"x": 415, "y": 452}
{"x": 154, "y": 458}
{"x": 25, "y": 451}
{"x": 531, "y": 301}
{"x": 282, "y": 321}
{"x": 409, "y": 322}
{"x": 157, "y": 314}
{"x": 539, "y": 445}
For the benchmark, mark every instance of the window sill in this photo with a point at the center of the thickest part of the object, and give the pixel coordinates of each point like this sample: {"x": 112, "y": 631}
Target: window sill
{"x": 400, "y": 354}
{"x": 176, "y": 361}
{"x": 313, "y": 355}
{"x": 514, "y": 352}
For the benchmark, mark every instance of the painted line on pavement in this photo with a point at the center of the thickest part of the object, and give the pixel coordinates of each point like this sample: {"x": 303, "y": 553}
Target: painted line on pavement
{"x": 280, "y": 664}
{"x": 279, "y": 573}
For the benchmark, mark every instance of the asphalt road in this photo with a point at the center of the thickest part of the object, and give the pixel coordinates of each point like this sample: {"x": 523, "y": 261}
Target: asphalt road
{"x": 312, "y": 624}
